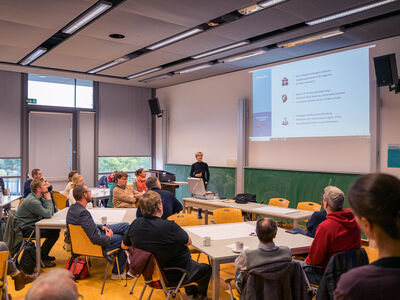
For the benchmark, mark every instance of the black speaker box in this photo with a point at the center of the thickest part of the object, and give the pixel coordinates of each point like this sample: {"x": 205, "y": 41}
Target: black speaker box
{"x": 155, "y": 107}
{"x": 386, "y": 70}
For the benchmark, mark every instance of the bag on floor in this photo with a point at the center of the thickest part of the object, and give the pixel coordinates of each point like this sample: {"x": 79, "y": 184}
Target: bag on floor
{"x": 81, "y": 269}
{"x": 27, "y": 262}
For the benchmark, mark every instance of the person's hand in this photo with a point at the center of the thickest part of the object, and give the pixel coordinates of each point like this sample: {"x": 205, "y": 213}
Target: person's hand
{"x": 206, "y": 182}
{"x": 47, "y": 196}
{"x": 109, "y": 232}
{"x": 198, "y": 175}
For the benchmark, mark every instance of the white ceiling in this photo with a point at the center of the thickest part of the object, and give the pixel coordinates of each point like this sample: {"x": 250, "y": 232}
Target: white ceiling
{"x": 26, "y": 24}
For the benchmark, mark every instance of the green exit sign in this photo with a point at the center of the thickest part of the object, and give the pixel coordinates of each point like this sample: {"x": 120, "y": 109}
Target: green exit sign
{"x": 31, "y": 101}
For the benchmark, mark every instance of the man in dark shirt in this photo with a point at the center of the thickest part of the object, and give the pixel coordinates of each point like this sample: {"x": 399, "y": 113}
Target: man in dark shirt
{"x": 171, "y": 205}
{"x": 36, "y": 174}
{"x": 2, "y": 185}
{"x": 168, "y": 242}
{"x": 316, "y": 218}
{"x": 200, "y": 170}
{"x": 108, "y": 237}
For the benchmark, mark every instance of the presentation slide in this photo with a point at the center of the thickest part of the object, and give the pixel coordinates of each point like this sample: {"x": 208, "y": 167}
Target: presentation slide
{"x": 325, "y": 96}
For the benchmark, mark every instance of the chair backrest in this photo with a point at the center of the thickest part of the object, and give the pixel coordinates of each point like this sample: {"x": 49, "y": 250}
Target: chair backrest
{"x": 184, "y": 219}
{"x": 282, "y": 202}
{"x": 227, "y": 215}
{"x": 3, "y": 264}
{"x": 338, "y": 264}
{"x": 311, "y": 206}
{"x": 59, "y": 199}
{"x": 81, "y": 244}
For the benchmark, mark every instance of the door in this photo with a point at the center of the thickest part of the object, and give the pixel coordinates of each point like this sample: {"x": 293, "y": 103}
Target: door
{"x": 50, "y": 146}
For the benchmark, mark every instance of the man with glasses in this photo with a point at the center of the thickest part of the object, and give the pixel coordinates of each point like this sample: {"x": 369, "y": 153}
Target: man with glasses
{"x": 36, "y": 174}
{"x": 108, "y": 237}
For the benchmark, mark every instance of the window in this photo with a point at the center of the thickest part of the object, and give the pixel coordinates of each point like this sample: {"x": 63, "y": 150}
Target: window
{"x": 59, "y": 91}
{"x": 127, "y": 164}
{"x": 10, "y": 171}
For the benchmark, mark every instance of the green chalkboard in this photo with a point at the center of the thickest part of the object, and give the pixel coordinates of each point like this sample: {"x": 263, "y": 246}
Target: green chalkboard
{"x": 222, "y": 180}
{"x": 296, "y": 186}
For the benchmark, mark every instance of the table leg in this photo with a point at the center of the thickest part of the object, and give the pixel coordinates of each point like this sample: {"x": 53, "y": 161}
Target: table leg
{"x": 215, "y": 279}
{"x": 206, "y": 216}
{"x": 295, "y": 223}
{"x": 38, "y": 258}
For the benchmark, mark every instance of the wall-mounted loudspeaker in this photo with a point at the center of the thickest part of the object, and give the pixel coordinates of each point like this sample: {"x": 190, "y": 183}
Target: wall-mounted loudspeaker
{"x": 155, "y": 107}
{"x": 386, "y": 72}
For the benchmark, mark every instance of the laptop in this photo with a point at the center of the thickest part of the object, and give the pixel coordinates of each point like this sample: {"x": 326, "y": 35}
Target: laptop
{"x": 197, "y": 189}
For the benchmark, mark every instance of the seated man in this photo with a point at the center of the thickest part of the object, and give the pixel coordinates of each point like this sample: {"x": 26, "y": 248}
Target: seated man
{"x": 19, "y": 277}
{"x": 109, "y": 237}
{"x": 267, "y": 252}
{"x": 338, "y": 233}
{"x": 36, "y": 174}
{"x": 124, "y": 195}
{"x": 2, "y": 185}
{"x": 171, "y": 205}
{"x": 36, "y": 206}
{"x": 168, "y": 242}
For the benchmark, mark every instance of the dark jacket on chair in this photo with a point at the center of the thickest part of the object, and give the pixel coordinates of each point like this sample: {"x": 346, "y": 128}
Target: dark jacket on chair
{"x": 283, "y": 280}
{"x": 338, "y": 264}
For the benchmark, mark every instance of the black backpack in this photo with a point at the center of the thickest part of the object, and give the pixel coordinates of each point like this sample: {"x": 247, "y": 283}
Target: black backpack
{"x": 245, "y": 198}
{"x": 27, "y": 262}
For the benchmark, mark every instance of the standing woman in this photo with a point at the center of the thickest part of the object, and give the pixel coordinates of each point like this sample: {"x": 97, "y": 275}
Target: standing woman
{"x": 375, "y": 201}
{"x": 140, "y": 183}
{"x": 200, "y": 170}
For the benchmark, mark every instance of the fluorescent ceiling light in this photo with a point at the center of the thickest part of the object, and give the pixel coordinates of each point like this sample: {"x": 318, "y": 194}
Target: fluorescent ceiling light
{"x": 310, "y": 38}
{"x": 222, "y": 49}
{"x": 34, "y": 55}
{"x": 151, "y": 79}
{"x": 349, "y": 12}
{"x": 243, "y": 55}
{"x": 175, "y": 38}
{"x": 144, "y": 73}
{"x": 91, "y": 14}
{"x": 194, "y": 68}
{"x": 259, "y": 6}
{"x": 110, "y": 64}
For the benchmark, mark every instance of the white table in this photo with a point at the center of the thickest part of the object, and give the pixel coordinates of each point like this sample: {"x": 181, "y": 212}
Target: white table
{"x": 99, "y": 194}
{"x": 220, "y": 253}
{"x": 255, "y": 208}
{"x": 5, "y": 200}
{"x": 58, "y": 221}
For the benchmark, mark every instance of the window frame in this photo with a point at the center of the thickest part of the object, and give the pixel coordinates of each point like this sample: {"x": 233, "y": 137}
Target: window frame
{"x": 14, "y": 176}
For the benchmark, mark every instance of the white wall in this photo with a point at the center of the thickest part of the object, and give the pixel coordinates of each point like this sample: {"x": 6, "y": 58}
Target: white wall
{"x": 203, "y": 117}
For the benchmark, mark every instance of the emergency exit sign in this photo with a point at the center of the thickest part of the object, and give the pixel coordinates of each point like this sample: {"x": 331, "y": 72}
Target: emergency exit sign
{"x": 31, "y": 101}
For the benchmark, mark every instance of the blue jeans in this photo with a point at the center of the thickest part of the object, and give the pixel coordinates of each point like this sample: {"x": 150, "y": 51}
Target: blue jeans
{"x": 119, "y": 230}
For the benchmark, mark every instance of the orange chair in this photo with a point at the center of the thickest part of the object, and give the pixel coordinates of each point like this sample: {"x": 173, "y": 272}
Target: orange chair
{"x": 281, "y": 202}
{"x": 227, "y": 215}
{"x": 60, "y": 200}
{"x": 3, "y": 275}
{"x": 184, "y": 219}
{"x": 310, "y": 206}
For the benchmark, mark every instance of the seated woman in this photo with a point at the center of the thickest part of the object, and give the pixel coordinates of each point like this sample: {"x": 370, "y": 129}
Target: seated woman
{"x": 68, "y": 187}
{"x": 124, "y": 195}
{"x": 76, "y": 179}
{"x": 375, "y": 201}
{"x": 140, "y": 183}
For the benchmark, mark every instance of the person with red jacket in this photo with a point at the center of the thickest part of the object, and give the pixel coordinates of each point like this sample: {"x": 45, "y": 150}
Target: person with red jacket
{"x": 338, "y": 233}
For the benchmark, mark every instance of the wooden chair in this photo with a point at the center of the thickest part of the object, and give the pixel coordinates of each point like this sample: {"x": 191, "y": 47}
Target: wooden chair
{"x": 81, "y": 245}
{"x": 227, "y": 215}
{"x": 186, "y": 220}
{"x": 60, "y": 200}
{"x": 3, "y": 274}
{"x": 281, "y": 202}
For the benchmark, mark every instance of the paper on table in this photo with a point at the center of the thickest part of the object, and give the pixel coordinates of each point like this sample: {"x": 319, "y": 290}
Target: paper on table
{"x": 233, "y": 246}
{"x": 276, "y": 210}
{"x": 224, "y": 231}
{"x": 113, "y": 215}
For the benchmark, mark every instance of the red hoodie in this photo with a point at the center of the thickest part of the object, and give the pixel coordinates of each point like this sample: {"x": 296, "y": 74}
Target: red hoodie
{"x": 338, "y": 233}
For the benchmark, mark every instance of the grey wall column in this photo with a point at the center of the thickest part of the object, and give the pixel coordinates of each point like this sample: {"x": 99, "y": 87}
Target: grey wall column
{"x": 153, "y": 134}
{"x": 165, "y": 135}
{"x": 24, "y": 130}
{"x": 96, "y": 106}
{"x": 242, "y": 143}
{"x": 375, "y": 127}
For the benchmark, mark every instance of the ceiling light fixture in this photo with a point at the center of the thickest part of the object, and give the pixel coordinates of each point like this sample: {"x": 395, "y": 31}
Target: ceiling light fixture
{"x": 222, "y": 49}
{"x": 310, "y": 38}
{"x": 259, "y": 6}
{"x": 151, "y": 79}
{"x": 144, "y": 73}
{"x": 92, "y": 13}
{"x": 33, "y": 56}
{"x": 109, "y": 65}
{"x": 349, "y": 12}
{"x": 243, "y": 55}
{"x": 194, "y": 68}
{"x": 175, "y": 38}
